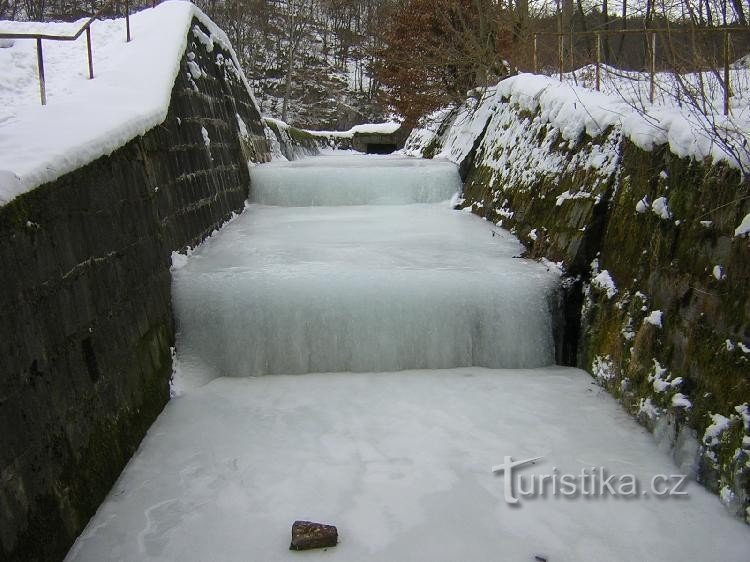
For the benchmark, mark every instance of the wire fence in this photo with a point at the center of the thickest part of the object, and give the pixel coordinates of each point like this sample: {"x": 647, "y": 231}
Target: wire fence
{"x": 696, "y": 64}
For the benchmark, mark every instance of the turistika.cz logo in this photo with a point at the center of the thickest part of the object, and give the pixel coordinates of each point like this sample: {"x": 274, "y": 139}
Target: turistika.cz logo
{"x": 590, "y": 482}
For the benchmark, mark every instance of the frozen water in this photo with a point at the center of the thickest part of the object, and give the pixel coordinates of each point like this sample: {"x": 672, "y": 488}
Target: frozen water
{"x": 361, "y": 288}
{"x": 401, "y": 464}
{"x": 353, "y": 180}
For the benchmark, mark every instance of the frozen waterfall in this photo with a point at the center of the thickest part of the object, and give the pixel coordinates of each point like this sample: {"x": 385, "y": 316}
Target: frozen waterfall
{"x": 336, "y": 287}
{"x": 334, "y": 181}
{"x": 400, "y": 461}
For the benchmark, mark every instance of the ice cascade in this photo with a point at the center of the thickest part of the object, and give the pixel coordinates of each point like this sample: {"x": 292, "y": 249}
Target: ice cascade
{"x": 337, "y": 287}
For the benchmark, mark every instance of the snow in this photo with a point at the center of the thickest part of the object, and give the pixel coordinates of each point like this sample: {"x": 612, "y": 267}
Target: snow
{"x": 520, "y": 150}
{"x": 602, "y": 368}
{"x": 244, "y": 132}
{"x": 651, "y": 411}
{"x": 85, "y": 119}
{"x": 642, "y": 206}
{"x": 718, "y": 272}
{"x": 679, "y": 400}
{"x": 655, "y": 318}
{"x": 573, "y": 110}
{"x": 604, "y": 282}
{"x": 396, "y": 286}
{"x": 353, "y": 180}
{"x": 400, "y": 462}
{"x": 719, "y": 424}
{"x": 661, "y": 380}
{"x": 660, "y": 207}
{"x": 744, "y": 228}
{"x": 567, "y": 195}
{"x": 366, "y": 128}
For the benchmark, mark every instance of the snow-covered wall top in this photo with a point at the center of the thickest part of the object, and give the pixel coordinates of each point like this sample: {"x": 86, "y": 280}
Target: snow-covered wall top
{"x": 575, "y": 110}
{"x": 375, "y": 128}
{"x": 85, "y": 119}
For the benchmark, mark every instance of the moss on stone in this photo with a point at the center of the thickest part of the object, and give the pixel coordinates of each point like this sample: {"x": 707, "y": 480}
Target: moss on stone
{"x": 669, "y": 261}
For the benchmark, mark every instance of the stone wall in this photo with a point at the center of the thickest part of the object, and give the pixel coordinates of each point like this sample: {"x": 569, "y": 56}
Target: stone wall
{"x": 86, "y": 323}
{"x": 657, "y": 301}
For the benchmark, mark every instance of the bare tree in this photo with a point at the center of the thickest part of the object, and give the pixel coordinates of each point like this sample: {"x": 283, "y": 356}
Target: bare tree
{"x": 296, "y": 15}
{"x": 8, "y": 9}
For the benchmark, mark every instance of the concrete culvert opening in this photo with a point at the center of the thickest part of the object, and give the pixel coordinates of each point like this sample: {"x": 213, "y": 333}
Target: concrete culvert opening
{"x": 380, "y": 148}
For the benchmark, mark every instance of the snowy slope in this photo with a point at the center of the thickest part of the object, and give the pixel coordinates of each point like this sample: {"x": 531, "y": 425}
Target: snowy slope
{"x": 85, "y": 119}
{"x": 574, "y": 109}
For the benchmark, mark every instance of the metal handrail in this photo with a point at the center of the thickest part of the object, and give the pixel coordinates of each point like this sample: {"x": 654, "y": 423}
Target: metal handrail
{"x": 85, "y": 27}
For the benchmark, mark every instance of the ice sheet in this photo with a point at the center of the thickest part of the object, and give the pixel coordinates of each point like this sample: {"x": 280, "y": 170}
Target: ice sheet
{"x": 401, "y": 464}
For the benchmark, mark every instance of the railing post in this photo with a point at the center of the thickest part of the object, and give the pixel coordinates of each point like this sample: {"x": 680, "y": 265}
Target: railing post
{"x": 127, "y": 21}
{"x": 598, "y": 61}
{"x": 727, "y": 91}
{"x": 88, "y": 48}
{"x": 40, "y": 67}
{"x": 652, "y": 92}
{"x": 535, "y": 54}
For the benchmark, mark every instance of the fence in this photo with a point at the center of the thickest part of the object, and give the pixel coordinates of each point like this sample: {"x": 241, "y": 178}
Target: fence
{"x": 86, "y": 27}
{"x": 674, "y": 50}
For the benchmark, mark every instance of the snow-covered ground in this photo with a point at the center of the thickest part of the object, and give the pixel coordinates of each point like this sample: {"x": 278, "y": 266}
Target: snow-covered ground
{"x": 690, "y": 91}
{"x": 85, "y": 119}
{"x": 623, "y": 104}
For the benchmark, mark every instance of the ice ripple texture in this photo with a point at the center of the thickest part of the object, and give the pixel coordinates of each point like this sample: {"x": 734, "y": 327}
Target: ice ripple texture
{"x": 331, "y": 288}
{"x": 333, "y": 181}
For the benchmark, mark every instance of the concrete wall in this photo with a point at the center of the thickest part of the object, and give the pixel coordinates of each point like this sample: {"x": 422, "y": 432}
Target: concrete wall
{"x": 576, "y": 203}
{"x": 85, "y": 311}
{"x": 293, "y": 143}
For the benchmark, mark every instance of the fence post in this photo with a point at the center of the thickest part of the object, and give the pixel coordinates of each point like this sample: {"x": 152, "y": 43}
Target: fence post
{"x": 727, "y": 91}
{"x": 535, "y": 55}
{"x": 40, "y": 68}
{"x": 572, "y": 46}
{"x": 88, "y": 48}
{"x": 127, "y": 21}
{"x": 653, "y": 68}
{"x": 598, "y": 61}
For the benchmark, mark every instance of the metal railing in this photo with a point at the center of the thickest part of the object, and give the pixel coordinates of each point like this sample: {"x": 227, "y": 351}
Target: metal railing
{"x": 86, "y": 27}
{"x": 650, "y": 40}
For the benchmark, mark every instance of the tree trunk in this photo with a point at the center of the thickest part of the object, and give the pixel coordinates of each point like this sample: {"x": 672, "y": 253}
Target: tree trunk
{"x": 740, "y": 11}
{"x": 605, "y": 44}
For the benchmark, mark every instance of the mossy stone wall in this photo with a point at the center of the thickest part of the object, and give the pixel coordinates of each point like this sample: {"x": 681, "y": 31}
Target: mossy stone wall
{"x": 587, "y": 216}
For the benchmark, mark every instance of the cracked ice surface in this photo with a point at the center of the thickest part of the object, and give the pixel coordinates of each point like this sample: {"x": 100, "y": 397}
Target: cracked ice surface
{"x": 400, "y": 462}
